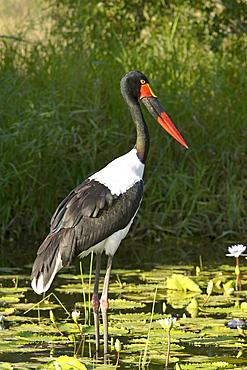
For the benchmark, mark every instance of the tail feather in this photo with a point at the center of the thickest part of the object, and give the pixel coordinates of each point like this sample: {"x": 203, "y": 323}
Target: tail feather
{"x": 51, "y": 258}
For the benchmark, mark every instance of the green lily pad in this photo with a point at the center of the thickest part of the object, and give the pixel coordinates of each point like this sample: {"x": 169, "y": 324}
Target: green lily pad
{"x": 182, "y": 282}
{"x": 130, "y": 321}
{"x": 124, "y": 304}
{"x": 66, "y": 363}
{"x": 38, "y": 337}
{"x": 11, "y": 298}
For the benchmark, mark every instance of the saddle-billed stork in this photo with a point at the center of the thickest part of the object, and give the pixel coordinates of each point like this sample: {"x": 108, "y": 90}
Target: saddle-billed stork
{"x": 98, "y": 213}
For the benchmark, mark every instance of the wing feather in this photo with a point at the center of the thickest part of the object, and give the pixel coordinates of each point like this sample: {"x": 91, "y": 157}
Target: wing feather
{"x": 87, "y": 216}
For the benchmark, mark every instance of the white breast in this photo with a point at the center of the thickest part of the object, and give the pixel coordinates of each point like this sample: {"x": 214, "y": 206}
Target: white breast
{"x": 120, "y": 174}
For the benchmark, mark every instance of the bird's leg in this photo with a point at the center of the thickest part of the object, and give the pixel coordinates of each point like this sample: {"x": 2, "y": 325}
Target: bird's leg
{"x": 104, "y": 305}
{"x": 95, "y": 303}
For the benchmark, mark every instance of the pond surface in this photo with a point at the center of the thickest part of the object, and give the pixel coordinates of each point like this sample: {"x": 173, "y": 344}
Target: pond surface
{"x": 201, "y": 338}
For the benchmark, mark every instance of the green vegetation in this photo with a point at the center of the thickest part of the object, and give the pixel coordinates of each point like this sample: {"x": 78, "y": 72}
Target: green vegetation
{"x": 38, "y": 333}
{"x": 62, "y": 115}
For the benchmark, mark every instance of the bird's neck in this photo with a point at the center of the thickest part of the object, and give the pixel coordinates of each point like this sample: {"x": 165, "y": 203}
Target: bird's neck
{"x": 142, "y": 134}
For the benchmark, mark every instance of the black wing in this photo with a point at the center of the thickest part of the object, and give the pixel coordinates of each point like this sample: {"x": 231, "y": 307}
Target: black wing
{"x": 86, "y": 200}
{"x": 88, "y": 215}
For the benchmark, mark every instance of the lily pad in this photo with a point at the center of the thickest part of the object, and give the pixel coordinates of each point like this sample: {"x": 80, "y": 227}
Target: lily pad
{"x": 66, "y": 363}
{"x": 183, "y": 283}
{"x": 124, "y": 304}
{"x": 131, "y": 321}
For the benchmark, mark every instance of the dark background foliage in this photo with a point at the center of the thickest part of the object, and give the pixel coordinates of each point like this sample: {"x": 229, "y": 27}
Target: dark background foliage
{"x": 62, "y": 115}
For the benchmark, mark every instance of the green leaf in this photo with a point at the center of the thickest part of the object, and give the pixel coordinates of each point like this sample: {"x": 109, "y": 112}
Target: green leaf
{"x": 182, "y": 282}
{"x": 69, "y": 363}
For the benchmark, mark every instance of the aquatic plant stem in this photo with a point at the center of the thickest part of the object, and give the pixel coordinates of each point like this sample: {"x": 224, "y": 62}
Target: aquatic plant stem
{"x": 53, "y": 320}
{"x": 209, "y": 291}
{"x": 89, "y": 283}
{"x": 168, "y": 347}
{"x": 200, "y": 263}
{"x": 82, "y": 337}
{"x": 96, "y": 304}
{"x": 46, "y": 299}
{"x": 81, "y": 333}
{"x": 118, "y": 356}
{"x": 83, "y": 292}
{"x": 238, "y": 285}
{"x": 206, "y": 300}
{"x": 149, "y": 329}
{"x": 118, "y": 349}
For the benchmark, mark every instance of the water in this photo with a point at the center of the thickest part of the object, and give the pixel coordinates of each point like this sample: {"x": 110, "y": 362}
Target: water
{"x": 200, "y": 340}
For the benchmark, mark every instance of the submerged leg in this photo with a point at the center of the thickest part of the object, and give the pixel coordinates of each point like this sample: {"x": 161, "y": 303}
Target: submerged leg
{"x": 95, "y": 303}
{"x": 104, "y": 305}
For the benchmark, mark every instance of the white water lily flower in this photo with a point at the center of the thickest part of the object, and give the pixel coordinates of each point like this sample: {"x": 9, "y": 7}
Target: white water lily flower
{"x": 167, "y": 323}
{"x": 236, "y": 250}
{"x": 75, "y": 316}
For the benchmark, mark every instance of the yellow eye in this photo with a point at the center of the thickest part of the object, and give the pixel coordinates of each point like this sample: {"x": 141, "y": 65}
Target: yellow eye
{"x": 142, "y": 82}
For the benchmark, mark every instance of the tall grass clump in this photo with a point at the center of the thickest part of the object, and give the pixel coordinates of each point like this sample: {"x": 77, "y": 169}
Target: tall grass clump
{"x": 62, "y": 116}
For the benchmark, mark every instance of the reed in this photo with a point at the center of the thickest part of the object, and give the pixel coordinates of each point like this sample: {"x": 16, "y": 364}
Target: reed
{"x": 62, "y": 117}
